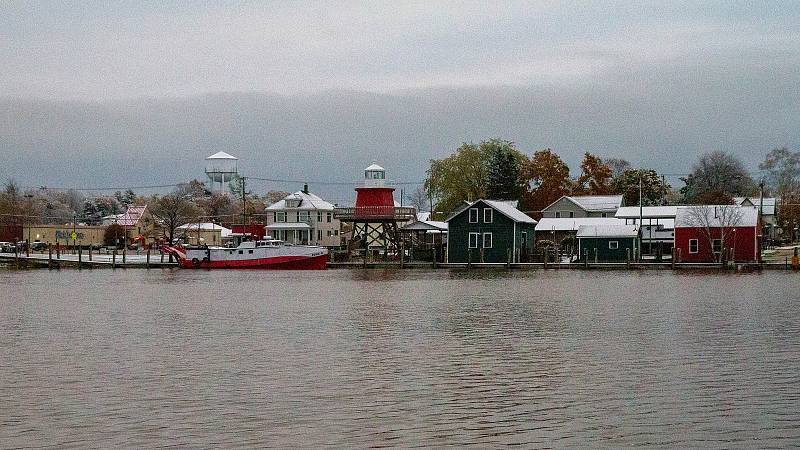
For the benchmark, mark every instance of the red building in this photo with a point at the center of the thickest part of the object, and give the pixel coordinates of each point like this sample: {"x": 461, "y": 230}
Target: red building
{"x": 705, "y": 232}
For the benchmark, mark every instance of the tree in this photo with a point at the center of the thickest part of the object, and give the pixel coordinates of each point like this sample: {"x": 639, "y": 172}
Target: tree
{"x": 219, "y": 207}
{"x": 419, "y": 199}
{"x": 126, "y": 199}
{"x": 627, "y": 184}
{"x": 546, "y": 178}
{"x": 595, "y": 177}
{"x": 273, "y": 197}
{"x": 782, "y": 171}
{"x": 789, "y": 217}
{"x": 172, "y": 211}
{"x": 617, "y": 165}
{"x": 503, "y": 171}
{"x": 709, "y": 218}
{"x": 460, "y": 177}
{"x": 194, "y": 189}
{"x": 717, "y": 173}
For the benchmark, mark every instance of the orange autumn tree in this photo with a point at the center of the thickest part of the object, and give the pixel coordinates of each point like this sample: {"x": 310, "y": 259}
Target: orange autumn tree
{"x": 595, "y": 178}
{"x": 546, "y": 179}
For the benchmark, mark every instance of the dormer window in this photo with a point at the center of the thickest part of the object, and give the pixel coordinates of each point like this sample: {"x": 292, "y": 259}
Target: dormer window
{"x": 292, "y": 203}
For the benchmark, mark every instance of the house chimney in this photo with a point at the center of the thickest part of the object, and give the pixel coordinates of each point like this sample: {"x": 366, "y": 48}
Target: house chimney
{"x": 305, "y": 188}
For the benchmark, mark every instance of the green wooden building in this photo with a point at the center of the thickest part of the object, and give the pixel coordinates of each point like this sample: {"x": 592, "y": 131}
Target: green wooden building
{"x": 608, "y": 243}
{"x": 489, "y": 231}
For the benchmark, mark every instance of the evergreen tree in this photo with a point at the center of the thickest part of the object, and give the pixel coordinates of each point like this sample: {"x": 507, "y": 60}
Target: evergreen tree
{"x": 503, "y": 171}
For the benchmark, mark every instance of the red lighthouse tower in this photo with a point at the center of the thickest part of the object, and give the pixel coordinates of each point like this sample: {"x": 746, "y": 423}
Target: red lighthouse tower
{"x": 375, "y": 215}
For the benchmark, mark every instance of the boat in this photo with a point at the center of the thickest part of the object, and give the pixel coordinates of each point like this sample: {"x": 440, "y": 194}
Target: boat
{"x": 258, "y": 254}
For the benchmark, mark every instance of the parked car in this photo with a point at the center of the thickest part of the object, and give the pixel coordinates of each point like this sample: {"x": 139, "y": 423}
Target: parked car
{"x": 38, "y": 246}
{"x": 6, "y": 247}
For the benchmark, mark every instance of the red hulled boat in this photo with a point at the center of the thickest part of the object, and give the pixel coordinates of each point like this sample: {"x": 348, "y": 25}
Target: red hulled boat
{"x": 261, "y": 254}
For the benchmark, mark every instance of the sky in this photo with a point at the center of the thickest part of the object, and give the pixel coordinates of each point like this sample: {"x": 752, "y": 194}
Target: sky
{"x": 319, "y": 89}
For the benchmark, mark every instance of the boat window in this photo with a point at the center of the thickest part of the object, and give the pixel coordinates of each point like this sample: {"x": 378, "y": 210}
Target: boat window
{"x": 241, "y": 252}
{"x": 250, "y": 252}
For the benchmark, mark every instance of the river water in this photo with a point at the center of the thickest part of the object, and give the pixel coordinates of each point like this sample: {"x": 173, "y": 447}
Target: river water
{"x": 137, "y": 358}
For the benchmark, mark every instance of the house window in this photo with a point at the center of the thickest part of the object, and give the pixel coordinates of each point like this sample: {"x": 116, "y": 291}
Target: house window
{"x": 319, "y": 216}
{"x": 488, "y": 215}
{"x": 280, "y": 216}
{"x": 330, "y": 216}
{"x": 558, "y": 214}
{"x": 335, "y": 232}
{"x": 319, "y": 235}
{"x": 571, "y": 214}
{"x": 603, "y": 214}
{"x": 717, "y": 244}
{"x": 613, "y": 245}
{"x": 692, "y": 245}
{"x": 473, "y": 240}
{"x": 487, "y": 240}
{"x": 524, "y": 239}
{"x": 303, "y": 216}
{"x": 473, "y": 215}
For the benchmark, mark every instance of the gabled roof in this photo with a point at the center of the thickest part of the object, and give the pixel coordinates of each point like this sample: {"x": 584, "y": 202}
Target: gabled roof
{"x": 592, "y": 203}
{"x": 769, "y": 203}
{"x": 700, "y": 215}
{"x": 608, "y": 231}
{"x": 426, "y": 225}
{"x": 573, "y": 223}
{"x": 308, "y": 201}
{"x": 221, "y": 155}
{"x": 504, "y": 207}
{"x": 374, "y": 166}
{"x": 648, "y": 212}
{"x": 132, "y": 216}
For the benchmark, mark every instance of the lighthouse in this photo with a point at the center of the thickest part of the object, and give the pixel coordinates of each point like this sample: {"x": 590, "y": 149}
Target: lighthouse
{"x": 375, "y": 217}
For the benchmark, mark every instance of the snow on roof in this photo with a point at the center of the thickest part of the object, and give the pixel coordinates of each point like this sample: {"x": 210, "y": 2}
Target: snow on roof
{"x": 572, "y": 224}
{"x": 586, "y": 231}
{"x": 288, "y": 226}
{"x": 423, "y": 216}
{"x": 597, "y": 202}
{"x": 222, "y": 155}
{"x": 374, "y": 166}
{"x": 308, "y": 201}
{"x": 769, "y": 203}
{"x": 648, "y": 212}
{"x": 426, "y": 225}
{"x": 693, "y": 216}
{"x": 508, "y": 209}
{"x": 131, "y": 217}
{"x": 205, "y": 226}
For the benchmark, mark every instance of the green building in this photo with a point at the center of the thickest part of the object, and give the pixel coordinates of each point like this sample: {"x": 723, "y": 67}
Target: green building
{"x": 608, "y": 243}
{"x": 489, "y": 231}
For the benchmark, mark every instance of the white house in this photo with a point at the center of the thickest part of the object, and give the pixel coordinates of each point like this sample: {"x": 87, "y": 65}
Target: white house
{"x": 304, "y": 218}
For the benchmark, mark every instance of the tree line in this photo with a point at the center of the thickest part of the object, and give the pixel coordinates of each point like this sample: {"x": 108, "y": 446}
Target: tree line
{"x": 497, "y": 169}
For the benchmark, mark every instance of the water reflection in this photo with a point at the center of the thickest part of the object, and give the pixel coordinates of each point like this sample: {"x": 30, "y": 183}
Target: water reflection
{"x": 398, "y": 358}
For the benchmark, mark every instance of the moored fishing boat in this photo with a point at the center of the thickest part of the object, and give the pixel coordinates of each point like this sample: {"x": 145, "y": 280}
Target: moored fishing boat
{"x": 260, "y": 254}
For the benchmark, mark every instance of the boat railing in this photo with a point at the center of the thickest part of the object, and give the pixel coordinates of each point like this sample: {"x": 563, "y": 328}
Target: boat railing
{"x": 375, "y": 212}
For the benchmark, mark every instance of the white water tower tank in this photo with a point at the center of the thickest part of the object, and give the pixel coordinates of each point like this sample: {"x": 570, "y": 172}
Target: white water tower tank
{"x": 221, "y": 167}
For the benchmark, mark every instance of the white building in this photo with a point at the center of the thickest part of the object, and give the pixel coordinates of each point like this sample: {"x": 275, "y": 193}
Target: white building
{"x": 304, "y": 218}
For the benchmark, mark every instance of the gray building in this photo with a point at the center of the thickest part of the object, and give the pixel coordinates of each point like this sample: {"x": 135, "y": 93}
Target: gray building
{"x": 583, "y": 206}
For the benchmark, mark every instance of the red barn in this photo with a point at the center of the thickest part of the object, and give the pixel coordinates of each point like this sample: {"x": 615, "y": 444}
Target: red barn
{"x": 703, "y": 232}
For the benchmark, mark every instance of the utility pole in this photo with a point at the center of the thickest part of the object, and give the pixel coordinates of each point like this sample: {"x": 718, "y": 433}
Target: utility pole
{"x": 761, "y": 209}
{"x": 244, "y": 201}
{"x": 640, "y": 214}
{"x": 663, "y": 190}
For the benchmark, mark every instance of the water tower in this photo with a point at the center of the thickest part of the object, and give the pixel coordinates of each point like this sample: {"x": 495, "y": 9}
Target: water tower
{"x": 375, "y": 217}
{"x": 220, "y": 168}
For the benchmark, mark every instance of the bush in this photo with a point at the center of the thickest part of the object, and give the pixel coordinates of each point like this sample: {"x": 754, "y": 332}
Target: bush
{"x": 113, "y": 235}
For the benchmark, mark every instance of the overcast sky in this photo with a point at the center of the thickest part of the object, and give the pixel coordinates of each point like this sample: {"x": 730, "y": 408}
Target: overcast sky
{"x": 517, "y": 70}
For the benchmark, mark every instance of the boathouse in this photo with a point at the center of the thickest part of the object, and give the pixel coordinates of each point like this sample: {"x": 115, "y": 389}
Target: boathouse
{"x": 714, "y": 233}
{"x": 490, "y": 231}
{"x": 608, "y": 243}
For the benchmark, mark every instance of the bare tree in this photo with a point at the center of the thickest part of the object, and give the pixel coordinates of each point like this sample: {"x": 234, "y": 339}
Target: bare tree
{"x": 712, "y": 217}
{"x": 419, "y": 199}
{"x": 172, "y": 211}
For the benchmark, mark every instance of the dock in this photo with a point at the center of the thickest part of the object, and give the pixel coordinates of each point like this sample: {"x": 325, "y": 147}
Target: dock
{"x": 81, "y": 261}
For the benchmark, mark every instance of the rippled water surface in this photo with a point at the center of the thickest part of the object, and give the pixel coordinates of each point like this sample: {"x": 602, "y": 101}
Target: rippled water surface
{"x": 398, "y": 358}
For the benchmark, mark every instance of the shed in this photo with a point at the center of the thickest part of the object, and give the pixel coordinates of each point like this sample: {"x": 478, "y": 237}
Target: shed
{"x": 608, "y": 243}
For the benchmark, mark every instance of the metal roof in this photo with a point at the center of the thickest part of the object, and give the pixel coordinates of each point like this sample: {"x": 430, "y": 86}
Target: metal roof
{"x": 222, "y": 155}
{"x": 572, "y": 224}
{"x": 597, "y": 202}
{"x": 609, "y": 231}
{"x": 769, "y": 203}
{"x": 206, "y": 226}
{"x": 131, "y": 216}
{"x": 375, "y": 167}
{"x": 308, "y": 201}
{"x": 712, "y": 215}
{"x": 648, "y": 212}
{"x": 508, "y": 210}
